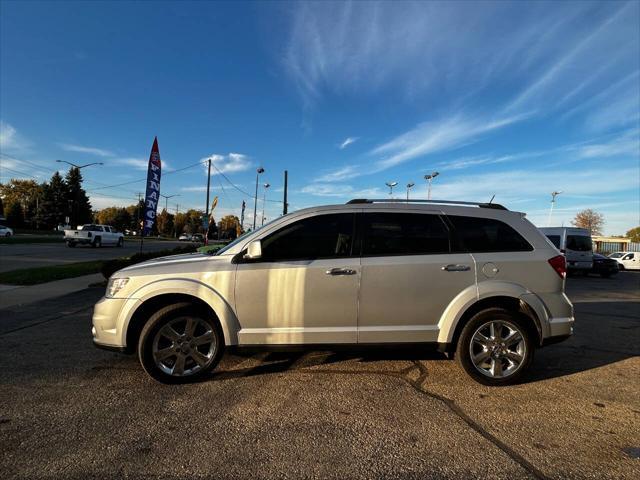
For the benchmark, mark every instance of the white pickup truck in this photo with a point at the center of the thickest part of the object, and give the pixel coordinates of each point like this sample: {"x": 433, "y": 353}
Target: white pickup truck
{"x": 94, "y": 235}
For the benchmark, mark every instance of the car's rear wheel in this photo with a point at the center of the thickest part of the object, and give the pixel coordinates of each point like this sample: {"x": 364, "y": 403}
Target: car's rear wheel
{"x": 97, "y": 242}
{"x": 121, "y": 242}
{"x": 495, "y": 347}
{"x": 180, "y": 343}
{"x": 8, "y": 234}
{"x": 71, "y": 244}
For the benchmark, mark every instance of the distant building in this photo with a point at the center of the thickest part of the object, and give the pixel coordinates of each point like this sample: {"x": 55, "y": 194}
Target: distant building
{"x": 603, "y": 244}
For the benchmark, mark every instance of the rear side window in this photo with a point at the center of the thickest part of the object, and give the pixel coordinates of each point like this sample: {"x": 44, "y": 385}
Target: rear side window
{"x": 323, "y": 236}
{"x": 487, "y": 235}
{"x": 578, "y": 243}
{"x": 555, "y": 239}
{"x": 403, "y": 234}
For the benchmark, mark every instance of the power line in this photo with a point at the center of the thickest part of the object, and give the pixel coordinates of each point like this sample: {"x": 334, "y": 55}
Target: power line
{"x": 237, "y": 187}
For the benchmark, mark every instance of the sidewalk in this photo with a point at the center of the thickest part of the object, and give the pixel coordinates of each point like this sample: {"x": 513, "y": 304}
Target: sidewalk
{"x": 13, "y": 295}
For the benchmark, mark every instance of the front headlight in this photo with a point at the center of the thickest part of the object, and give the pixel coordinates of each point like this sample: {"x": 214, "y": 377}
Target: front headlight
{"x": 115, "y": 285}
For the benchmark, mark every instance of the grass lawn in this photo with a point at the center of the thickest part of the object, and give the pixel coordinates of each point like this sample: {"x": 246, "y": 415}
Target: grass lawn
{"x": 33, "y": 276}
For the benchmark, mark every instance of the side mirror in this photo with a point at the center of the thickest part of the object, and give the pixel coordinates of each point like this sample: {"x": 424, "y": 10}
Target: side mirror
{"x": 254, "y": 250}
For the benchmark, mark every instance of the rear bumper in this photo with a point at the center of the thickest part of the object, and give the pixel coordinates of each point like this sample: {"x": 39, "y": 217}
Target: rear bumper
{"x": 578, "y": 265}
{"x": 560, "y": 327}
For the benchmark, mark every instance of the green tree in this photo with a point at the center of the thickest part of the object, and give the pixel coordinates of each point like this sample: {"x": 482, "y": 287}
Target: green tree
{"x": 15, "y": 218}
{"x": 164, "y": 221}
{"x": 634, "y": 234}
{"x": 81, "y": 207}
{"x": 24, "y": 192}
{"x": 194, "y": 221}
{"x": 179, "y": 223}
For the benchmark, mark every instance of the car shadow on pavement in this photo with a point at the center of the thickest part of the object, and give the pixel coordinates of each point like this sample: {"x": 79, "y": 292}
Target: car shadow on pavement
{"x": 605, "y": 332}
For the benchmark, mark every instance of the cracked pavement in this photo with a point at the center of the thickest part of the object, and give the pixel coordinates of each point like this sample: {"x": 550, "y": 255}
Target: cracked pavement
{"x": 68, "y": 410}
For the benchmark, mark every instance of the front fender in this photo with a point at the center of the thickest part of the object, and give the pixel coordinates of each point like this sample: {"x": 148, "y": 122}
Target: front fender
{"x": 484, "y": 290}
{"x": 218, "y": 301}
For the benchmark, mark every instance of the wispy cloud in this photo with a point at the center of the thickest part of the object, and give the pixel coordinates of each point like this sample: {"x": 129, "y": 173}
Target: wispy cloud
{"x": 340, "y": 174}
{"x": 10, "y": 140}
{"x": 625, "y": 145}
{"x": 139, "y": 163}
{"x": 348, "y": 141}
{"x": 89, "y": 150}
{"x": 230, "y": 163}
{"x": 339, "y": 190}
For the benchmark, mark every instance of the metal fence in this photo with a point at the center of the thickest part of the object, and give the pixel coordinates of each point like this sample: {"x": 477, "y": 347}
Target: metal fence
{"x": 610, "y": 247}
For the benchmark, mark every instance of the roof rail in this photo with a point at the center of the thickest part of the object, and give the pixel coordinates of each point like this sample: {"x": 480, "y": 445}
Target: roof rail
{"x": 495, "y": 206}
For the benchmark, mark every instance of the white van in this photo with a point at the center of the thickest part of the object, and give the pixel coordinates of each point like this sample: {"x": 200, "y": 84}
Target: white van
{"x": 575, "y": 243}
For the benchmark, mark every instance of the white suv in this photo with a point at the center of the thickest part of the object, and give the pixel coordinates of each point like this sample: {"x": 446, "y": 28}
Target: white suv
{"x": 474, "y": 279}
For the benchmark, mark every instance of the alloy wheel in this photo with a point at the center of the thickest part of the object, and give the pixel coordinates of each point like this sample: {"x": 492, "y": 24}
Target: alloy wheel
{"x": 498, "y": 349}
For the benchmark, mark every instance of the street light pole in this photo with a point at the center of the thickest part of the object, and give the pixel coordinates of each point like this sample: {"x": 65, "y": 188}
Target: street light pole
{"x": 391, "y": 185}
{"x": 553, "y": 202}
{"x": 255, "y": 198}
{"x": 264, "y": 200}
{"x": 79, "y": 166}
{"x": 429, "y": 177}
{"x": 409, "y": 187}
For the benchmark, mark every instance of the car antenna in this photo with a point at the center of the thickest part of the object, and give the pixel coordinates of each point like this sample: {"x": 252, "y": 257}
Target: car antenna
{"x": 490, "y": 201}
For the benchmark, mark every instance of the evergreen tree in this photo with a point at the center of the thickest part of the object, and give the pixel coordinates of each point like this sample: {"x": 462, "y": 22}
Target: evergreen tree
{"x": 81, "y": 207}
{"x": 54, "y": 204}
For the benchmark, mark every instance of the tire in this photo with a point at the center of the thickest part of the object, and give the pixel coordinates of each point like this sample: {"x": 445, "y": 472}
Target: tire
{"x": 153, "y": 339}
{"x": 621, "y": 267}
{"x": 97, "y": 243}
{"x": 120, "y": 242}
{"x": 8, "y": 234}
{"x": 487, "y": 372}
{"x": 71, "y": 244}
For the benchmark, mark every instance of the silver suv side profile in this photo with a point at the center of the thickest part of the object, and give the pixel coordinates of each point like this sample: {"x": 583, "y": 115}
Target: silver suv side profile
{"x": 475, "y": 280}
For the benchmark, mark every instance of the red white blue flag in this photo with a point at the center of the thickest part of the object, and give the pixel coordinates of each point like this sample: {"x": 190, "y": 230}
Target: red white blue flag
{"x": 153, "y": 188}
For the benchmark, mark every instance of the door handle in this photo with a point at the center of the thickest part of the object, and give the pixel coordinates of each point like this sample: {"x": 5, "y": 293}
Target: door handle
{"x": 456, "y": 268}
{"x": 340, "y": 271}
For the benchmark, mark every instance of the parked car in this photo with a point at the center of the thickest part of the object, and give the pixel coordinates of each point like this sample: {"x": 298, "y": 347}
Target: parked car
{"x": 185, "y": 237}
{"x": 94, "y": 235}
{"x": 604, "y": 266}
{"x": 575, "y": 244}
{"x": 5, "y": 231}
{"x": 480, "y": 281}
{"x": 197, "y": 237}
{"x": 627, "y": 260}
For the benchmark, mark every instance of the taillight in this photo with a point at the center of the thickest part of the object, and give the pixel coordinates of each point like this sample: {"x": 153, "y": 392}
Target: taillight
{"x": 559, "y": 264}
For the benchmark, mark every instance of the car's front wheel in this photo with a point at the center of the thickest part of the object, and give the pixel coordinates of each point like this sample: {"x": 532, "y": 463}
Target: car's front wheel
{"x": 180, "y": 343}
{"x": 121, "y": 242}
{"x": 495, "y": 347}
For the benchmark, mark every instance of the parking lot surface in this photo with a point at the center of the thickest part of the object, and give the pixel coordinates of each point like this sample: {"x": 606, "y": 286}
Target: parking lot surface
{"x": 68, "y": 410}
{"x": 16, "y": 256}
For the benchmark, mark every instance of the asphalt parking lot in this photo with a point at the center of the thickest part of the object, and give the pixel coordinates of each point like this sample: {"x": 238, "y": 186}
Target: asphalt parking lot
{"x": 68, "y": 410}
{"x": 16, "y": 256}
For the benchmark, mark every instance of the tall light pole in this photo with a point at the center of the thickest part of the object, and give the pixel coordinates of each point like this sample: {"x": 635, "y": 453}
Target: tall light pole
{"x": 166, "y": 200}
{"x": 409, "y": 187}
{"x": 429, "y": 177}
{"x": 264, "y": 200}
{"x": 391, "y": 185}
{"x": 80, "y": 166}
{"x": 255, "y": 198}
{"x": 553, "y": 202}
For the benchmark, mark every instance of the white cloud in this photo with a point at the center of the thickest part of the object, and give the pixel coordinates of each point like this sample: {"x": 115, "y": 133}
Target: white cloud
{"x": 342, "y": 173}
{"x": 139, "y": 163}
{"x": 11, "y": 140}
{"x": 231, "y": 163}
{"x": 348, "y": 141}
{"x": 627, "y": 144}
{"x": 90, "y": 150}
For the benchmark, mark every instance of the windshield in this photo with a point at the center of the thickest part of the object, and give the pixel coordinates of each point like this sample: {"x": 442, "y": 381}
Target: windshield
{"x": 616, "y": 255}
{"x": 243, "y": 237}
{"x": 578, "y": 243}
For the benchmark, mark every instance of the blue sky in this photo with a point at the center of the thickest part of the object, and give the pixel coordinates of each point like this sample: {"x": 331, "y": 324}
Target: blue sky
{"x": 512, "y": 99}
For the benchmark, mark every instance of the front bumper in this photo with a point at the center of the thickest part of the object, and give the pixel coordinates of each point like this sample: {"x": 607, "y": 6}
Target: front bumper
{"x": 105, "y": 324}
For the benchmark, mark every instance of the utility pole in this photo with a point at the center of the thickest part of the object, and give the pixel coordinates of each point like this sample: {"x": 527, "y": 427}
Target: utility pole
{"x": 242, "y": 216}
{"x": 166, "y": 200}
{"x": 264, "y": 201}
{"x": 255, "y": 198}
{"x": 285, "y": 208}
{"x": 553, "y": 202}
{"x": 208, "y": 186}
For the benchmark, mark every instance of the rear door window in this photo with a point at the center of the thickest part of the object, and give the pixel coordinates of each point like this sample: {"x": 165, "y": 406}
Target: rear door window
{"x": 578, "y": 243}
{"x": 476, "y": 234}
{"x": 386, "y": 233}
